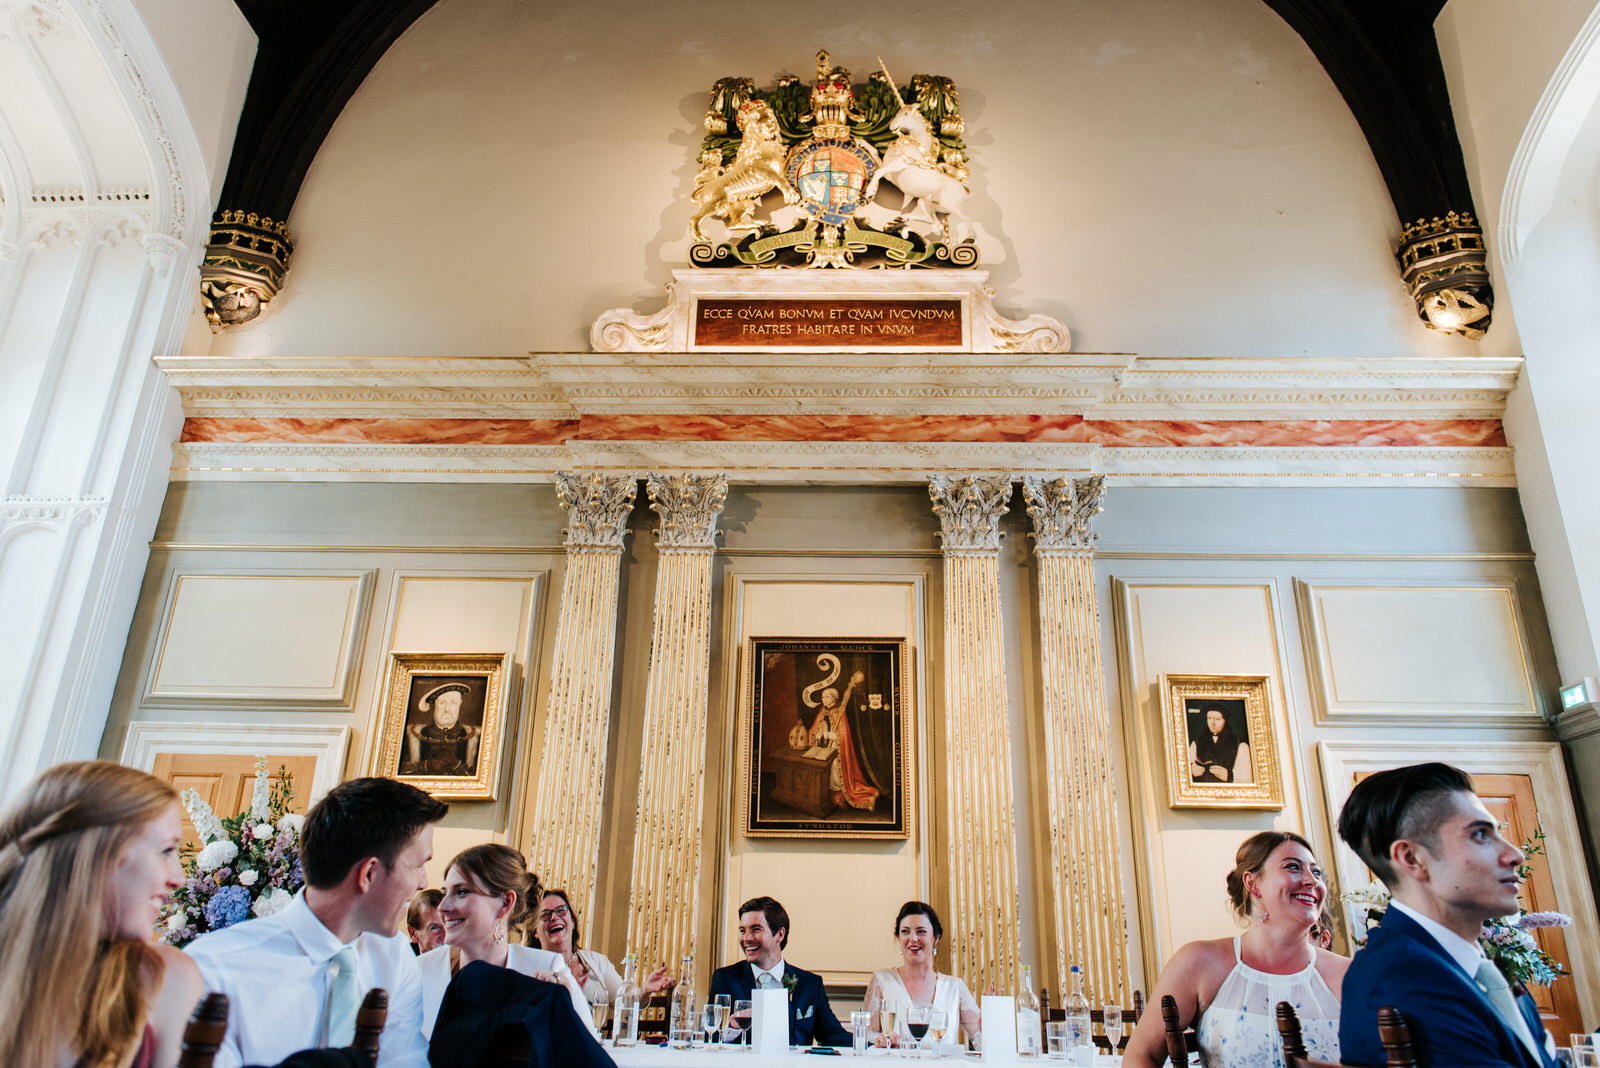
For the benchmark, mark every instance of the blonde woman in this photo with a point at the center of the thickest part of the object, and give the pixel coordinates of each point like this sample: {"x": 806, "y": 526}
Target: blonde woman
{"x": 88, "y": 854}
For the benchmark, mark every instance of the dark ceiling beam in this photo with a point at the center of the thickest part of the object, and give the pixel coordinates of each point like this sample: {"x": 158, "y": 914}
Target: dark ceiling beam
{"x": 1384, "y": 60}
{"x": 311, "y": 57}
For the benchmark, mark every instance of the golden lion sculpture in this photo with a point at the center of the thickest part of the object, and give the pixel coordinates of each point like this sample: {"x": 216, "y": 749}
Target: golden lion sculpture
{"x": 732, "y": 193}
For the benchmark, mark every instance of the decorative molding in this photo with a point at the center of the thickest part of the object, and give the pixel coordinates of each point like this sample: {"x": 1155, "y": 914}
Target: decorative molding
{"x": 1091, "y": 385}
{"x": 844, "y": 462}
{"x": 328, "y": 744}
{"x": 598, "y": 508}
{"x": 969, "y": 508}
{"x": 688, "y": 506}
{"x": 1061, "y": 509}
{"x": 52, "y": 509}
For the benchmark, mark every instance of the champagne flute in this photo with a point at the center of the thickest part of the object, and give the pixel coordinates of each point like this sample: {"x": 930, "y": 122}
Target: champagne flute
{"x": 600, "y": 1008}
{"x": 1111, "y": 1021}
{"x": 936, "y": 1028}
{"x": 889, "y": 1017}
{"x": 724, "y": 1003}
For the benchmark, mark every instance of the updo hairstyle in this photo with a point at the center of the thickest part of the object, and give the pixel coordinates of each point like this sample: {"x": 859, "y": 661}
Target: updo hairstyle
{"x": 919, "y": 908}
{"x": 498, "y": 869}
{"x": 1251, "y": 858}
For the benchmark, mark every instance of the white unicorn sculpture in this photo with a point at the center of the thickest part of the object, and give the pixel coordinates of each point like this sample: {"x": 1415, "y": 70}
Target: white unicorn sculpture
{"x": 911, "y": 164}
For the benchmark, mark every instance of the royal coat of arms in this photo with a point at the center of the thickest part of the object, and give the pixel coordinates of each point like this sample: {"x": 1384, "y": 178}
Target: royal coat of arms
{"x": 822, "y": 157}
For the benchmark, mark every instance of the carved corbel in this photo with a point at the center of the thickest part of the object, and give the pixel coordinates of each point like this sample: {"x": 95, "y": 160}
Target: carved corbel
{"x": 244, "y": 266}
{"x": 1445, "y": 266}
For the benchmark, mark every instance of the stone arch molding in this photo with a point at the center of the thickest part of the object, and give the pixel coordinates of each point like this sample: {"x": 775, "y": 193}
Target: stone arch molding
{"x": 1549, "y": 140}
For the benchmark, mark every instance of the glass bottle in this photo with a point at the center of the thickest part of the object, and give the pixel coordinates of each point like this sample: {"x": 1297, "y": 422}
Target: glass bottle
{"x": 625, "y": 1031}
{"x": 1080, "y": 1028}
{"x": 1027, "y": 1016}
{"x": 681, "y": 1015}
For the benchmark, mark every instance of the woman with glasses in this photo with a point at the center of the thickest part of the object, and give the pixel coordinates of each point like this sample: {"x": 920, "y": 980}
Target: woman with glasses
{"x": 555, "y": 928}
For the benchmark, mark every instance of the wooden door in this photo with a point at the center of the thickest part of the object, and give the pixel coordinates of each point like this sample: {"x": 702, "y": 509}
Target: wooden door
{"x": 1510, "y": 799}
{"x": 225, "y": 781}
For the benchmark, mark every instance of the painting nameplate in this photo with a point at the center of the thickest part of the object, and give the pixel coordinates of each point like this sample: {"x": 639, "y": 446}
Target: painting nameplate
{"x": 806, "y": 322}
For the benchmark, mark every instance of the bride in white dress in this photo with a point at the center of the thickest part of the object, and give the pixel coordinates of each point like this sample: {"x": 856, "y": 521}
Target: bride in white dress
{"x": 1232, "y": 985}
{"x": 914, "y": 982}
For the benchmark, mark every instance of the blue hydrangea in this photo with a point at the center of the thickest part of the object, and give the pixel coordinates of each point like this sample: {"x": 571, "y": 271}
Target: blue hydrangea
{"x": 230, "y": 905}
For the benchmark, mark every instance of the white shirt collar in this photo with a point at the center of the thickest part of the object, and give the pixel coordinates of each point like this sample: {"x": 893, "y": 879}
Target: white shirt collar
{"x": 1465, "y": 954}
{"x": 776, "y": 971}
{"x": 317, "y": 942}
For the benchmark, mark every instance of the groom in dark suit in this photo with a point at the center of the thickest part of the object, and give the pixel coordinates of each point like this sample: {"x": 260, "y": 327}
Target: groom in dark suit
{"x": 763, "y": 934}
{"x": 1424, "y": 832}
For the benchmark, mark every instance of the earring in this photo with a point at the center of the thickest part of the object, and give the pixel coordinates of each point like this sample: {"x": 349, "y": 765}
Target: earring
{"x": 500, "y": 932}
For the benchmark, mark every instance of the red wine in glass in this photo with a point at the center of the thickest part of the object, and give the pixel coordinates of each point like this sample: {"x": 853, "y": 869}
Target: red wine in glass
{"x": 918, "y": 1030}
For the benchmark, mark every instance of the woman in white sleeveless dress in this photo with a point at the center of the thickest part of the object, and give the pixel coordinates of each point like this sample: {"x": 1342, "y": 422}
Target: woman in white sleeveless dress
{"x": 917, "y": 929}
{"x": 1232, "y": 986}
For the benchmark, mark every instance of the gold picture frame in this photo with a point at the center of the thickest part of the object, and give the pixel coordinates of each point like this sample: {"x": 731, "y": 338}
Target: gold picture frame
{"x": 823, "y": 738}
{"x": 443, "y": 715}
{"x": 1220, "y": 742}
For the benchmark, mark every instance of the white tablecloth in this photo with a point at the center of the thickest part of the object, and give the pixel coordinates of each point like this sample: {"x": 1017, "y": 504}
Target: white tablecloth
{"x": 720, "y": 1057}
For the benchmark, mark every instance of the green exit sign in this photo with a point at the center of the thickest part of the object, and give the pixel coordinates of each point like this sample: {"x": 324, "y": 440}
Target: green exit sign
{"x": 1578, "y": 695}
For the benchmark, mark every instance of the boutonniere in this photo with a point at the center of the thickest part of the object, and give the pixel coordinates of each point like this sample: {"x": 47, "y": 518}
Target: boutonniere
{"x": 790, "y": 981}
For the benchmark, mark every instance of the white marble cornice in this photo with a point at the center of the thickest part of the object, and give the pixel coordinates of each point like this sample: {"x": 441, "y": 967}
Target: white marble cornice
{"x": 826, "y": 462}
{"x": 1096, "y": 385}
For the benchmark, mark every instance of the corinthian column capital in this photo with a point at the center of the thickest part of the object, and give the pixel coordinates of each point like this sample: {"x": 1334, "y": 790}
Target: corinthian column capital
{"x": 1062, "y": 508}
{"x": 688, "y": 506}
{"x": 597, "y": 507}
{"x": 969, "y": 508}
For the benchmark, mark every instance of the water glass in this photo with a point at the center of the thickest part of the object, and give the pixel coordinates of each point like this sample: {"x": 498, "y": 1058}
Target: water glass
{"x": 683, "y": 1038}
{"x": 1585, "y": 1053}
{"x": 860, "y": 1026}
{"x": 1055, "y": 1040}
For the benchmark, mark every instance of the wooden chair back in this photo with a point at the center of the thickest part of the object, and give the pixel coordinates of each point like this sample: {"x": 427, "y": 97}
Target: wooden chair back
{"x": 655, "y": 1016}
{"x": 1177, "y": 1037}
{"x": 370, "y": 1018}
{"x": 1392, "y": 1032}
{"x": 203, "y": 1033}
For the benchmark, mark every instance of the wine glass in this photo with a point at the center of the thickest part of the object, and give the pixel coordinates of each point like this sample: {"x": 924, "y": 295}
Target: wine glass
{"x": 917, "y": 1023}
{"x": 889, "y": 1013}
{"x": 741, "y": 1021}
{"x": 724, "y": 1004}
{"x": 1111, "y": 1021}
{"x": 936, "y": 1028}
{"x": 600, "y": 1008}
{"x": 711, "y": 1020}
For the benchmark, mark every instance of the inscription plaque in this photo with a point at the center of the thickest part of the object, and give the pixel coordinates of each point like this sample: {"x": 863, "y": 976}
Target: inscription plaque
{"x": 809, "y": 322}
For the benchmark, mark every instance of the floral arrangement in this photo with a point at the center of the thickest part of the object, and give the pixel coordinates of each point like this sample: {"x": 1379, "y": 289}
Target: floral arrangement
{"x": 1507, "y": 941}
{"x": 247, "y": 865}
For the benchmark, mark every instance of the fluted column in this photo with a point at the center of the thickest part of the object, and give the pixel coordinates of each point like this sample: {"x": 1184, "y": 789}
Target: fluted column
{"x": 1090, "y": 918}
{"x": 664, "y": 904}
{"x": 985, "y": 941}
{"x": 565, "y": 827}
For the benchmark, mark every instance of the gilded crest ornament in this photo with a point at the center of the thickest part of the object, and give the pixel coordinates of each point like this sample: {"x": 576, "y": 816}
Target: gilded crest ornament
{"x": 826, "y": 153}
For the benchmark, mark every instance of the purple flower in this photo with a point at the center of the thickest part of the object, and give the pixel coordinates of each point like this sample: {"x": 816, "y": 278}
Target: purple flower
{"x": 1544, "y": 919}
{"x": 230, "y": 905}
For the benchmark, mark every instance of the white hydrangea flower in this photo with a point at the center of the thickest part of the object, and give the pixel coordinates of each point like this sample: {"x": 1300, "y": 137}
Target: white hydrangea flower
{"x": 205, "y": 821}
{"x": 274, "y": 900}
{"x": 216, "y": 855}
{"x": 291, "y": 821}
{"x": 260, "y": 796}
{"x": 263, "y": 832}
{"x": 178, "y": 919}
{"x": 248, "y": 876}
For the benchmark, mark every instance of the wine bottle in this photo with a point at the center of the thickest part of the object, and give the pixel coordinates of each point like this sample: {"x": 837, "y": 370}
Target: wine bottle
{"x": 1080, "y": 1027}
{"x": 1027, "y": 1016}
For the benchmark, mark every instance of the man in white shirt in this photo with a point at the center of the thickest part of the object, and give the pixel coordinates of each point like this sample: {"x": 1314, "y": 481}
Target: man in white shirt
{"x": 1436, "y": 847}
{"x": 295, "y": 979}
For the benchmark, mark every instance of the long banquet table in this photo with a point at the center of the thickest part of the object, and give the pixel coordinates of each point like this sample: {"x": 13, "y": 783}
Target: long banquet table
{"x": 723, "y": 1057}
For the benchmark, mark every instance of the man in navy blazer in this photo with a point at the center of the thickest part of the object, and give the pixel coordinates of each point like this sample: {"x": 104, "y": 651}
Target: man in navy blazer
{"x": 763, "y": 934}
{"x": 1424, "y": 832}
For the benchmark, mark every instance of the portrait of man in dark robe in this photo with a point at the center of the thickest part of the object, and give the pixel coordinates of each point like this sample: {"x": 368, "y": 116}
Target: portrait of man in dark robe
{"x": 444, "y": 726}
{"x": 1219, "y": 740}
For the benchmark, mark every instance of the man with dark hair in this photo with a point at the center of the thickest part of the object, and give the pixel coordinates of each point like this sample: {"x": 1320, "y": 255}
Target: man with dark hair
{"x": 1440, "y": 853}
{"x": 295, "y": 978}
{"x": 763, "y": 935}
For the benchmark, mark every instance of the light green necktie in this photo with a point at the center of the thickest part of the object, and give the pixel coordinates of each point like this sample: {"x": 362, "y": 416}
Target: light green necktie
{"x": 765, "y": 981}
{"x": 344, "y": 998}
{"x": 1498, "y": 991}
